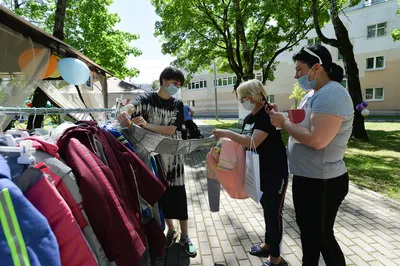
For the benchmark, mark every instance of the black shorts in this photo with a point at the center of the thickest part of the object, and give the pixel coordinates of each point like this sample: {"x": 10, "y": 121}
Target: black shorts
{"x": 174, "y": 203}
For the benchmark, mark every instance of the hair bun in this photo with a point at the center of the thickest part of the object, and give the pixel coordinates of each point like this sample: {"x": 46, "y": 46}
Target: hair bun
{"x": 335, "y": 72}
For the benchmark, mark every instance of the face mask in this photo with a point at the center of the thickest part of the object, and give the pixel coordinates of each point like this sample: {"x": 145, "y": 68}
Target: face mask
{"x": 306, "y": 84}
{"x": 172, "y": 89}
{"x": 248, "y": 105}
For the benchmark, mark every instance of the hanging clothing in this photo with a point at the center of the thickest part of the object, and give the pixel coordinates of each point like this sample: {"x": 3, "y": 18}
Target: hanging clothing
{"x": 73, "y": 247}
{"x": 26, "y": 237}
{"x": 113, "y": 186}
{"x": 65, "y": 182}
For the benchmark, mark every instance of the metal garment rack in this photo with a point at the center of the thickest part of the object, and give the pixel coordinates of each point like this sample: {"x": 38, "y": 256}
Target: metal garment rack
{"x": 48, "y": 111}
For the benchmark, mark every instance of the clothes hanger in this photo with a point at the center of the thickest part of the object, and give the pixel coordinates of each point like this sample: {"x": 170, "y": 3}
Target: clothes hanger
{"x": 16, "y": 131}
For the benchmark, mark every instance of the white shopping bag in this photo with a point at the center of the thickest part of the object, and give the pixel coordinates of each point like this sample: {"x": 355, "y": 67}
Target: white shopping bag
{"x": 252, "y": 180}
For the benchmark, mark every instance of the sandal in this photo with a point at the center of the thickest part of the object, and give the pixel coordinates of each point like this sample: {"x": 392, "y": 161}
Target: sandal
{"x": 258, "y": 251}
{"x": 268, "y": 263}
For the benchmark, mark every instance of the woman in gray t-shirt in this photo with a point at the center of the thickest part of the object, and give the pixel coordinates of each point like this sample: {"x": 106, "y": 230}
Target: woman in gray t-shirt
{"x": 320, "y": 178}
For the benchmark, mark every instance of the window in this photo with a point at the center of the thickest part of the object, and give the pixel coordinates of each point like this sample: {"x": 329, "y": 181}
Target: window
{"x": 191, "y": 103}
{"x": 376, "y": 30}
{"x": 374, "y": 94}
{"x": 271, "y": 98}
{"x": 313, "y": 41}
{"x": 197, "y": 85}
{"x": 344, "y": 83}
{"x": 259, "y": 76}
{"x": 377, "y": 62}
{"x": 227, "y": 81}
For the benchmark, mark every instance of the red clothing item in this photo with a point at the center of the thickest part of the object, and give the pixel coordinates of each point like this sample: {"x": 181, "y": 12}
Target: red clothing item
{"x": 106, "y": 211}
{"x": 74, "y": 249}
{"x": 41, "y": 144}
{"x": 132, "y": 176}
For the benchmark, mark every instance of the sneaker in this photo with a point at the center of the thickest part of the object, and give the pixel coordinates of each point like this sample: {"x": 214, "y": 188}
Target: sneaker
{"x": 190, "y": 249}
{"x": 172, "y": 236}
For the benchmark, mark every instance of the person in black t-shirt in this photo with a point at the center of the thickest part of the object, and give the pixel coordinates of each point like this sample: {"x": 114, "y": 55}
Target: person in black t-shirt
{"x": 161, "y": 113}
{"x": 273, "y": 165}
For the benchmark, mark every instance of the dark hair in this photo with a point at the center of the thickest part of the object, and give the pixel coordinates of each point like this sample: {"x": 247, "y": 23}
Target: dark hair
{"x": 335, "y": 72}
{"x": 172, "y": 72}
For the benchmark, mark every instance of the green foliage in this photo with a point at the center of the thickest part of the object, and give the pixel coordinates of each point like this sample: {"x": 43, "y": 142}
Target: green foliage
{"x": 89, "y": 28}
{"x": 155, "y": 84}
{"x": 297, "y": 95}
{"x": 240, "y": 35}
{"x": 396, "y": 32}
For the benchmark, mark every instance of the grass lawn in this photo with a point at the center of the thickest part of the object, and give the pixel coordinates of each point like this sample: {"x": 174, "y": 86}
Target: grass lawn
{"x": 374, "y": 165}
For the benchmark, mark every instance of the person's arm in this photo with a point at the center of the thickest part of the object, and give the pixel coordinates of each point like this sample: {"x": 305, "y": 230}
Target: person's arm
{"x": 191, "y": 112}
{"x": 164, "y": 130}
{"x": 258, "y": 136}
{"x": 323, "y": 128}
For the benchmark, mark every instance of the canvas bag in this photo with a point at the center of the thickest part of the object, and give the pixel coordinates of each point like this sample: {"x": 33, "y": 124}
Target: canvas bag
{"x": 252, "y": 178}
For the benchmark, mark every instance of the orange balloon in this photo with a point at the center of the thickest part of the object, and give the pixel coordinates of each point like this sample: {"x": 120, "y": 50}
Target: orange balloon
{"x": 52, "y": 66}
{"x": 29, "y": 60}
{"x": 56, "y": 74}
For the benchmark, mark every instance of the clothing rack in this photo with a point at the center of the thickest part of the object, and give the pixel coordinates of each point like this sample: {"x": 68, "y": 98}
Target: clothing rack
{"x": 48, "y": 111}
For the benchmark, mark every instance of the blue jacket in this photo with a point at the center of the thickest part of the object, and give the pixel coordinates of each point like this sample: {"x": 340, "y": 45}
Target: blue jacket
{"x": 25, "y": 236}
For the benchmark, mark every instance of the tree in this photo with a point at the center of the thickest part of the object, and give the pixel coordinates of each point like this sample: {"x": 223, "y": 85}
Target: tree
{"x": 343, "y": 43}
{"x": 297, "y": 95}
{"x": 155, "y": 84}
{"x": 240, "y": 35}
{"x": 396, "y": 32}
{"x": 89, "y": 27}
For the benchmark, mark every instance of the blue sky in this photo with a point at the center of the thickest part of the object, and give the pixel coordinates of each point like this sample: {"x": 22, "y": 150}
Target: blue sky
{"x": 138, "y": 16}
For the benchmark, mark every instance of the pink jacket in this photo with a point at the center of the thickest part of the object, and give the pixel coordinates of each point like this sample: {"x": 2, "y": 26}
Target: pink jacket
{"x": 228, "y": 167}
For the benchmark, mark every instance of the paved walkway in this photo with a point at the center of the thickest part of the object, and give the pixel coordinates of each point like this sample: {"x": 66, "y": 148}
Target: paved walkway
{"x": 367, "y": 226}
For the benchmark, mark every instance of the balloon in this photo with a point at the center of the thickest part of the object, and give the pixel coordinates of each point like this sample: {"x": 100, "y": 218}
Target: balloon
{"x": 29, "y": 62}
{"x": 27, "y": 101}
{"x": 73, "y": 71}
{"x": 52, "y": 67}
{"x": 365, "y": 112}
{"x": 56, "y": 74}
{"x": 364, "y": 103}
{"x": 359, "y": 107}
{"x": 48, "y": 104}
{"x": 29, "y": 104}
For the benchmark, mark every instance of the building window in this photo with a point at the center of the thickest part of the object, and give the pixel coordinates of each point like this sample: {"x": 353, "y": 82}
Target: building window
{"x": 197, "y": 85}
{"x": 313, "y": 41}
{"x": 259, "y": 76}
{"x": 373, "y": 2}
{"x": 344, "y": 83}
{"x": 374, "y": 63}
{"x": 376, "y": 30}
{"x": 191, "y": 103}
{"x": 227, "y": 81}
{"x": 372, "y": 94}
{"x": 271, "y": 98}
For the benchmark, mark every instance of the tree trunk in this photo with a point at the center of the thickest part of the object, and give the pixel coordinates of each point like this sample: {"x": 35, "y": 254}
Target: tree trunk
{"x": 39, "y": 100}
{"x": 58, "y": 30}
{"x": 346, "y": 50}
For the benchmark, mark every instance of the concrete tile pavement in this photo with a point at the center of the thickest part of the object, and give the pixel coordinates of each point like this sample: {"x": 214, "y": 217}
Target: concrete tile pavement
{"x": 367, "y": 226}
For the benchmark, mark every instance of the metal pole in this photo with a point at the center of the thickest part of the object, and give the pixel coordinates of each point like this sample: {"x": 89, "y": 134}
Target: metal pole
{"x": 215, "y": 91}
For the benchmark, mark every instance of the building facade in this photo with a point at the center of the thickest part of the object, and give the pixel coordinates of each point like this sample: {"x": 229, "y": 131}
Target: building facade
{"x": 378, "y": 57}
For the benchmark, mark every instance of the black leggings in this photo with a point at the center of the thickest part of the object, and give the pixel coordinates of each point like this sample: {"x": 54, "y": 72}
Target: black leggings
{"x": 316, "y": 203}
{"x": 272, "y": 202}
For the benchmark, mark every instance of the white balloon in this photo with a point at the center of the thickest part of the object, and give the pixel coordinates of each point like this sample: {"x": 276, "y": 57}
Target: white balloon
{"x": 365, "y": 112}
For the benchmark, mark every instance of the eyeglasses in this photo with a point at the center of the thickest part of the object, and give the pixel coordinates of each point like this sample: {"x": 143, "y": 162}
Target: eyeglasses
{"x": 243, "y": 99}
{"x": 313, "y": 54}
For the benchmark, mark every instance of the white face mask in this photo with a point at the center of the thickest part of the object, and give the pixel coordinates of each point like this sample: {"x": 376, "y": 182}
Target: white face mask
{"x": 248, "y": 105}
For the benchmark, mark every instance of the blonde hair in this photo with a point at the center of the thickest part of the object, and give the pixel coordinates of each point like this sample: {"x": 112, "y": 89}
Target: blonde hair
{"x": 252, "y": 88}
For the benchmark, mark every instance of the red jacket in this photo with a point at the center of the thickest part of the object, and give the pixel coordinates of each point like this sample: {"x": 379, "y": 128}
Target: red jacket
{"x": 74, "y": 249}
{"x": 118, "y": 226}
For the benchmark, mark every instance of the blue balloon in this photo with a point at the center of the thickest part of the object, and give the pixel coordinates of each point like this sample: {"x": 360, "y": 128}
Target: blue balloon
{"x": 73, "y": 71}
